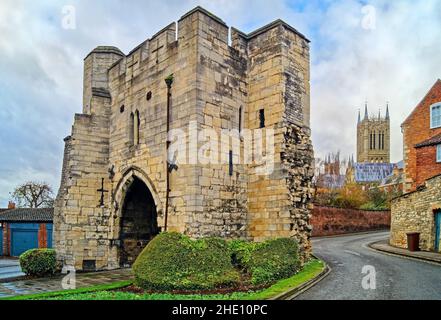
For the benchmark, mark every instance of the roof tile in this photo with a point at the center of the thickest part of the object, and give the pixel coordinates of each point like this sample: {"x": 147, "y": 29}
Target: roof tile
{"x": 430, "y": 142}
{"x": 27, "y": 215}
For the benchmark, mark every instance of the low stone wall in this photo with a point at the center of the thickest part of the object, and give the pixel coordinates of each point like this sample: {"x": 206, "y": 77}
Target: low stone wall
{"x": 415, "y": 212}
{"x": 328, "y": 221}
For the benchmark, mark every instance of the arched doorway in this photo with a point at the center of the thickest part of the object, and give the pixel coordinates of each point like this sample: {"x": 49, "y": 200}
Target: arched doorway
{"x": 139, "y": 223}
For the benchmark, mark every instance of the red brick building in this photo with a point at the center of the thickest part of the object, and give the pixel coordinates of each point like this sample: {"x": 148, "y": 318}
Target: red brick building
{"x": 421, "y": 138}
{"x": 428, "y": 159}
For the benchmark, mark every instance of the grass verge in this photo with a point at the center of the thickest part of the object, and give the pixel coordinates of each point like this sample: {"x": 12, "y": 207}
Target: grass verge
{"x": 73, "y": 292}
{"x": 109, "y": 292}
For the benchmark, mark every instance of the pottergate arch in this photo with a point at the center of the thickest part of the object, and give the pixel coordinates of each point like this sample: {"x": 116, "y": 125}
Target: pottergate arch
{"x": 98, "y": 191}
{"x": 137, "y": 215}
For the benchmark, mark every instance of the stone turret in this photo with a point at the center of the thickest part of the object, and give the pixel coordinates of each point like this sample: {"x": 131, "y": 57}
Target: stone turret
{"x": 95, "y": 79}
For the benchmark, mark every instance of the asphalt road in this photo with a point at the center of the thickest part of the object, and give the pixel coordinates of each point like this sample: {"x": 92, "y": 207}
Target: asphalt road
{"x": 396, "y": 277}
{"x": 9, "y": 268}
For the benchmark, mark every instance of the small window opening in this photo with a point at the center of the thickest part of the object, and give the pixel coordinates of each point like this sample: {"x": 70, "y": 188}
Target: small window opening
{"x": 262, "y": 118}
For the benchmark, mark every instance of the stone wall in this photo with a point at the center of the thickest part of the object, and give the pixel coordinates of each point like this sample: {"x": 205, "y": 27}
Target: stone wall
{"x": 328, "y": 221}
{"x": 279, "y": 82}
{"x": 415, "y": 212}
{"x": 80, "y": 224}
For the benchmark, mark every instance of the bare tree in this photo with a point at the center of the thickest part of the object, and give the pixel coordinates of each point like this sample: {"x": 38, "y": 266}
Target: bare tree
{"x": 33, "y": 195}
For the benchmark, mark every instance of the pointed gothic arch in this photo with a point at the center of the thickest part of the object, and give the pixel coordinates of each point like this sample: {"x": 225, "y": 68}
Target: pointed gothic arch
{"x": 138, "y": 214}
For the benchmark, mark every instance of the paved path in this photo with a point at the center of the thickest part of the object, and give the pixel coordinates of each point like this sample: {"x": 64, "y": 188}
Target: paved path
{"x": 10, "y": 268}
{"x": 384, "y": 246}
{"x": 43, "y": 285}
{"x": 396, "y": 277}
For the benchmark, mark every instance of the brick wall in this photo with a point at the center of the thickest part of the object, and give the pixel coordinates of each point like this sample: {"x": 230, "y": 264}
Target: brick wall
{"x": 5, "y": 249}
{"x": 327, "y": 221}
{"x": 6, "y": 239}
{"x": 42, "y": 236}
{"x": 426, "y": 164}
{"x": 416, "y": 129}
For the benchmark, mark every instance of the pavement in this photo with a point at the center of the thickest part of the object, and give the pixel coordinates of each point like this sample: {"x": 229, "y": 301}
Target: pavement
{"x": 384, "y": 246}
{"x": 396, "y": 278}
{"x": 10, "y": 268}
{"x": 43, "y": 285}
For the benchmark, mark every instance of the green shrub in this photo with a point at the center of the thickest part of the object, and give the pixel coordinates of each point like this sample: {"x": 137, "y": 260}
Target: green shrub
{"x": 241, "y": 251}
{"x": 370, "y": 206}
{"x": 38, "y": 262}
{"x": 172, "y": 261}
{"x": 274, "y": 260}
{"x": 268, "y": 261}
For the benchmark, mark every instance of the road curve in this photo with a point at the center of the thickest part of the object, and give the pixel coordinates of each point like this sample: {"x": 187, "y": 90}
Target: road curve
{"x": 396, "y": 277}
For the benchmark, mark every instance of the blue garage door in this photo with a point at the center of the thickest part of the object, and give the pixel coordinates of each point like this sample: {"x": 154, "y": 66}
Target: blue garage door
{"x": 1, "y": 241}
{"x": 24, "y": 236}
{"x": 49, "y": 228}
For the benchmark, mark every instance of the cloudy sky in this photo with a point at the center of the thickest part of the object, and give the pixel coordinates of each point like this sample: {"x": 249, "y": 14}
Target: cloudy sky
{"x": 377, "y": 50}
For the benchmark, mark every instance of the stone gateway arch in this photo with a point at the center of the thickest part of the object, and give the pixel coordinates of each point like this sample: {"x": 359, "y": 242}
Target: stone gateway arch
{"x": 137, "y": 221}
{"x": 118, "y": 188}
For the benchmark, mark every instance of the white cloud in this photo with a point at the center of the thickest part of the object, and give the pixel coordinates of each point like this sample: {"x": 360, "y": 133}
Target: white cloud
{"x": 398, "y": 61}
{"x": 41, "y": 65}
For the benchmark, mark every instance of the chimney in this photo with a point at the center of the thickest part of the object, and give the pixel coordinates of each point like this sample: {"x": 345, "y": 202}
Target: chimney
{"x": 11, "y": 205}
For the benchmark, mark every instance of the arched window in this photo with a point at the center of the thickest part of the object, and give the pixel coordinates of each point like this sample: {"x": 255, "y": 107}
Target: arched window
{"x": 379, "y": 140}
{"x": 230, "y": 162}
{"x": 136, "y": 128}
{"x": 240, "y": 118}
{"x": 370, "y": 140}
{"x": 131, "y": 128}
{"x": 382, "y": 139}
{"x": 375, "y": 142}
{"x": 261, "y": 118}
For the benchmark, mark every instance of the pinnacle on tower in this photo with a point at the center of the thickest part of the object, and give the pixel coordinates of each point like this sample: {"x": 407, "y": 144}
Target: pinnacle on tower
{"x": 366, "y": 115}
{"x": 359, "y": 116}
{"x": 387, "y": 111}
{"x": 379, "y": 113}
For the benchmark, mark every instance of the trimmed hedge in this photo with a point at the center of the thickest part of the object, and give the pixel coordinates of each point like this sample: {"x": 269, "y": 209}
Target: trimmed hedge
{"x": 268, "y": 261}
{"x": 241, "y": 252}
{"x": 274, "y": 260}
{"x": 38, "y": 262}
{"x": 172, "y": 261}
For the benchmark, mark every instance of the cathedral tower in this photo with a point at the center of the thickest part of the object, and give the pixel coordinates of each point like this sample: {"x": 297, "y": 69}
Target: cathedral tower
{"x": 373, "y": 137}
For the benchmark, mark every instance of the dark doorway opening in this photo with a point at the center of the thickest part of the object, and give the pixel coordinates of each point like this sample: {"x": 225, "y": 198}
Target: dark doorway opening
{"x": 437, "y": 230}
{"x": 139, "y": 222}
